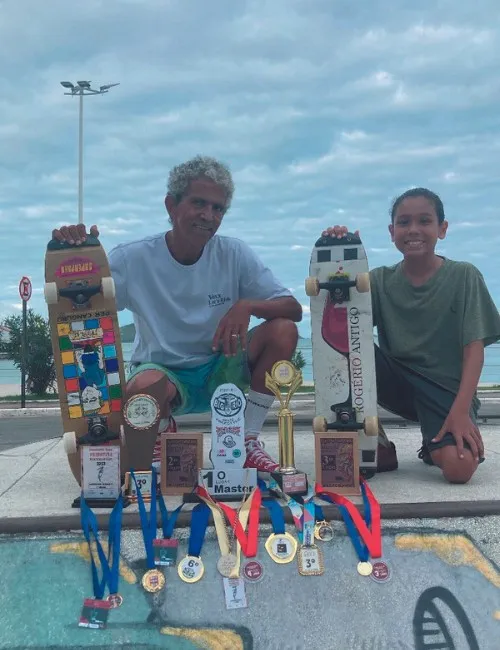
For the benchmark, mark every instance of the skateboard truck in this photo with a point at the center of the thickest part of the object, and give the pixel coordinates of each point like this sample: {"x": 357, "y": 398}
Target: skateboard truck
{"x": 98, "y": 432}
{"x": 338, "y": 287}
{"x": 79, "y": 292}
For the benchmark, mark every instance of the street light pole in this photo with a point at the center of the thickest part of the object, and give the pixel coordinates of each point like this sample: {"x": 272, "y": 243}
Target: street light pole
{"x": 82, "y": 88}
{"x": 80, "y": 161}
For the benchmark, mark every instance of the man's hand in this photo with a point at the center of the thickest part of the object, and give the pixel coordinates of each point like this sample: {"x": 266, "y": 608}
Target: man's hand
{"x": 461, "y": 427}
{"x": 337, "y": 231}
{"x": 74, "y": 234}
{"x": 232, "y": 327}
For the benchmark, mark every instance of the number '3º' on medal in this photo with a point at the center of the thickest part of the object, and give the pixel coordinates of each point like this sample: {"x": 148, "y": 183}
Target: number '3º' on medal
{"x": 310, "y": 561}
{"x": 190, "y": 569}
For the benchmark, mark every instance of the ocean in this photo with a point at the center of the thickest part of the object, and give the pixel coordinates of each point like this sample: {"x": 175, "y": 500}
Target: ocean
{"x": 490, "y": 375}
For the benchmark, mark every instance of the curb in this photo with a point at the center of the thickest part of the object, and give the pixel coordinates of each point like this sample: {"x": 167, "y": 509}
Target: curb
{"x": 389, "y": 511}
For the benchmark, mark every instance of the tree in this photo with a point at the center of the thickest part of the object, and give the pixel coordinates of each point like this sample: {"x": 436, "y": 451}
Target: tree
{"x": 40, "y": 367}
{"x": 298, "y": 359}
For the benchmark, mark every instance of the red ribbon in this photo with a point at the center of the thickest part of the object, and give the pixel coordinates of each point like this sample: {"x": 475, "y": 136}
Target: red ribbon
{"x": 248, "y": 542}
{"x": 371, "y": 537}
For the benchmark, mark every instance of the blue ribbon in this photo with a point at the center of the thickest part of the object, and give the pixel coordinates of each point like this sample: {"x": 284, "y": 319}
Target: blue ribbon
{"x": 168, "y": 523}
{"x": 90, "y": 528}
{"x": 361, "y": 548}
{"x": 148, "y": 525}
{"x": 319, "y": 516}
{"x": 277, "y": 516}
{"x": 199, "y": 523}
{"x": 114, "y": 540}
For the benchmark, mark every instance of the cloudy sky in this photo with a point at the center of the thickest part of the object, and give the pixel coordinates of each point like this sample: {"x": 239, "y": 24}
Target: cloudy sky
{"x": 325, "y": 110}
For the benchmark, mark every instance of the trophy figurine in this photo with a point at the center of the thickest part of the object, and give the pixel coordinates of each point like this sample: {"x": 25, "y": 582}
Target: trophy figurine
{"x": 288, "y": 478}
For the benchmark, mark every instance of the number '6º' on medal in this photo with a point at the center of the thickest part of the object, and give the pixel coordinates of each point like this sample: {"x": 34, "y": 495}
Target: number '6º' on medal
{"x": 282, "y": 547}
{"x": 153, "y": 580}
{"x": 190, "y": 569}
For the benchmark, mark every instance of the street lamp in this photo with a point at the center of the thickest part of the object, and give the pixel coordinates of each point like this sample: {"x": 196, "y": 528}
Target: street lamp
{"x": 82, "y": 88}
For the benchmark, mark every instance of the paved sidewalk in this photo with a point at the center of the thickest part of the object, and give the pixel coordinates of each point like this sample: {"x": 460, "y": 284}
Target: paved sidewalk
{"x": 37, "y": 487}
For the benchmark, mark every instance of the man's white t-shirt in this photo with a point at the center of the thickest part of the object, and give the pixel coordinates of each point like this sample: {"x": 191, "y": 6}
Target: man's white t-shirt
{"x": 177, "y": 307}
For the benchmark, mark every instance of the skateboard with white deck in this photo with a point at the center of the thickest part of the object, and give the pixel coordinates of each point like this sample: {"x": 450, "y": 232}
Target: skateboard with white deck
{"x": 343, "y": 351}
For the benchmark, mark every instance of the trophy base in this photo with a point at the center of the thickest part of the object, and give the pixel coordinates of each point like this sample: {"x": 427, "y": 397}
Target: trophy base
{"x": 227, "y": 484}
{"x": 99, "y": 503}
{"x": 295, "y": 484}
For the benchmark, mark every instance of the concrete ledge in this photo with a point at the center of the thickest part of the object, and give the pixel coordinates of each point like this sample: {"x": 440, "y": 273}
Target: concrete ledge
{"x": 131, "y": 520}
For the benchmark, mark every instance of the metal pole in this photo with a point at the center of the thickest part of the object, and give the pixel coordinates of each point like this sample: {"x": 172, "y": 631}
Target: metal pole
{"x": 80, "y": 161}
{"x": 23, "y": 359}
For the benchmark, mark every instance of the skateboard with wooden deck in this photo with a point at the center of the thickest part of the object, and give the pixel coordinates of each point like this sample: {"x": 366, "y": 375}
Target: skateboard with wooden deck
{"x": 343, "y": 351}
{"x": 80, "y": 295}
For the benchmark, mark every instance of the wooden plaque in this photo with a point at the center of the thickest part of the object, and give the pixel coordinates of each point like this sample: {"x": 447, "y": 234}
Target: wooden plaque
{"x": 337, "y": 461}
{"x": 181, "y": 458}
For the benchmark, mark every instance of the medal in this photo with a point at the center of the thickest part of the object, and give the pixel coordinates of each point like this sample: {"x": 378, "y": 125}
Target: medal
{"x": 323, "y": 531}
{"x": 153, "y": 580}
{"x": 165, "y": 549}
{"x": 310, "y": 561}
{"x": 364, "y": 568}
{"x": 253, "y": 571}
{"x": 190, "y": 569}
{"x": 115, "y": 600}
{"x": 226, "y": 564}
{"x": 98, "y": 607}
{"x": 280, "y": 545}
{"x": 367, "y": 530}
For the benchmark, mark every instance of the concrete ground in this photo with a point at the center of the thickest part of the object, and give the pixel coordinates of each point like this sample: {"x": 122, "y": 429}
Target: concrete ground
{"x": 441, "y": 544}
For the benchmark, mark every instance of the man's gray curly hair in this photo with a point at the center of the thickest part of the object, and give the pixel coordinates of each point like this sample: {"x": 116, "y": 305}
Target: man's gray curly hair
{"x": 181, "y": 175}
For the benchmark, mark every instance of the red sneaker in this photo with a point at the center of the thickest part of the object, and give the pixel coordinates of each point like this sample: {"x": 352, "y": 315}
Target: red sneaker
{"x": 258, "y": 458}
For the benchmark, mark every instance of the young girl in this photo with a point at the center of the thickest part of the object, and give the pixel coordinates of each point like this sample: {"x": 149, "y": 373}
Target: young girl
{"x": 434, "y": 317}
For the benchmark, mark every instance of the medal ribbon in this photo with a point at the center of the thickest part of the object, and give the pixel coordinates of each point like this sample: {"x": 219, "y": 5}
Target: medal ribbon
{"x": 168, "y": 523}
{"x": 277, "y": 516}
{"x": 309, "y": 518}
{"x": 148, "y": 524}
{"x": 319, "y": 511}
{"x": 251, "y": 510}
{"x": 114, "y": 539}
{"x": 368, "y": 530}
{"x": 90, "y": 526}
{"x": 220, "y": 527}
{"x": 199, "y": 523}
{"x": 295, "y": 508}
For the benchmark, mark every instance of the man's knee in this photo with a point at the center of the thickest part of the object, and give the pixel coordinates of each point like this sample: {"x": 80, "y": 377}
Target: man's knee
{"x": 455, "y": 469}
{"x": 153, "y": 381}
{"x": 283, "y": 333}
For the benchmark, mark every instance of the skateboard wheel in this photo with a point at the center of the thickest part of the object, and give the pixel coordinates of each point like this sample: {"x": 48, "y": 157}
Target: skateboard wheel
{"x": 363, "y": 282}
{"x": 319, "y": 424}
{"x": 51, "y": 294}
{"x": 312, "y": 286}
{"x": 371, "y": 425}
{"x": 108, "y": 288}
{"x": 69, "y": 442}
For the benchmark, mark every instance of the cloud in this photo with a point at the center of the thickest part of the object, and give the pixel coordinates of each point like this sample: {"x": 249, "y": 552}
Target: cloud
{"x": 325, "y": 112}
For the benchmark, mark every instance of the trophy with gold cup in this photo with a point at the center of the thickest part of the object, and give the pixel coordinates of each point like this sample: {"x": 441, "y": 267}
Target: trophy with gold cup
{"x": 288, "y": 478}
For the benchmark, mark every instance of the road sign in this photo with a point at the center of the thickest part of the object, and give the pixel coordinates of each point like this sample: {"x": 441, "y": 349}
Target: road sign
{"x": 25, "y": 289}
